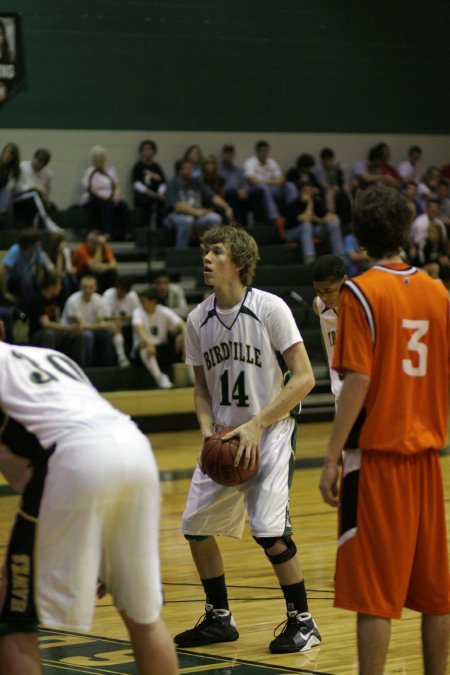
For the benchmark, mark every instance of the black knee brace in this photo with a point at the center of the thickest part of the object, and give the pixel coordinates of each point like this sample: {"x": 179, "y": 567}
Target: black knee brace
{"x": 277, "y": 559}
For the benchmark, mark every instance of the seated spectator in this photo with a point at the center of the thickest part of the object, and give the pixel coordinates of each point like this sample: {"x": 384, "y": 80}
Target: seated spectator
{"x": 410, "y": 192}
{"x": 95, "y": 257}
{"x": 435, "y": 253}
{"x": 32, "y": 203}
{"x": 119, "y": 302}
{"x": 211, "y": 176}
{"x": 158, "y": 337}
{"x": 194, "y": 155}
{"x": 370, "y": 171}
{"x": 268, "y": 189}
{"x": 358, "y": 260}
{"x": 309, "y": 221}
{"x": 103, "y": 197}
{"x": 149, "y": 184}
{"x": 9, "y": 175}
{"x": 46, "y": 329}
{"x": 429, "y": 184}
{"x": 303, "y": 172}
{"x": 58, "y": 251}
{"x": 445, "y": 172}
{"x": 330, "y": 177}
{"x": 190, "y": 204}
{"x": 169, "y": 294}
{"x": 410, "y": 169}
{"x": 22, "y": 269}
{"x": 419, "y": 229}
{"x": 443, "y": 197}
{"x": 84, "y": 308}
{"x": 386, "y": 168}
{"x": 235, "y": 189}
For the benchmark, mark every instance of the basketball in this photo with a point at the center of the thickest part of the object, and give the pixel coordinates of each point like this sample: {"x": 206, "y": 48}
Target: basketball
{"x": 217, "y": 460}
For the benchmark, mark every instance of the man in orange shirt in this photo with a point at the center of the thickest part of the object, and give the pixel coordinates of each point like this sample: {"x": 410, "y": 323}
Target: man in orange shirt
{"x": 393, "y": 347}
{"x": 95, "y": 257}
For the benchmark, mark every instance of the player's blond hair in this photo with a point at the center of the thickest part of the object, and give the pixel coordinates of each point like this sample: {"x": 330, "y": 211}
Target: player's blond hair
{"x": 243, "y": 248}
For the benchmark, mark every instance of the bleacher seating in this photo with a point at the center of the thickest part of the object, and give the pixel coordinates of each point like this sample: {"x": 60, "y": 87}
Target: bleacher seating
{"x": 279, "y": 271}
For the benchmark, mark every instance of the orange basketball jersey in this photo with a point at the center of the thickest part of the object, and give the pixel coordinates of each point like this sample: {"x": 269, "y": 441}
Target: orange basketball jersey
{"x": 394, "y": 326}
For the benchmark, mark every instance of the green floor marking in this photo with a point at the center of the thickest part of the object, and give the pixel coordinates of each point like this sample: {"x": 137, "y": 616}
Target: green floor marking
{"x": 72, "y": 653}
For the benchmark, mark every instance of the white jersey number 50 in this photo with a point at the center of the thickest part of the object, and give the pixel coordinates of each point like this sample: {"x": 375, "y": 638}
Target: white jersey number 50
{"x": 420, "y": 327}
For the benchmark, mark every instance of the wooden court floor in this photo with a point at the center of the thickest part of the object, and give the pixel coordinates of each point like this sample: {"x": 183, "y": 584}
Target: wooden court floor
{"x": 255, "y": 598}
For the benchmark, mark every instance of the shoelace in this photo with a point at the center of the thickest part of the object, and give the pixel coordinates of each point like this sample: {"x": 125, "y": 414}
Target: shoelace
{"x": 284, "y": 624}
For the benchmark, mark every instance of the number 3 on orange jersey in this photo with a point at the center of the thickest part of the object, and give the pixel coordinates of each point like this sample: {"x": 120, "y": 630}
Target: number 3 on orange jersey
{"x": 420, "y": 327}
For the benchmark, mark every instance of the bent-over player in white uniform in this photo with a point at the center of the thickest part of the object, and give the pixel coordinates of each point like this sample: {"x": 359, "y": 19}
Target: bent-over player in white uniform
{"x": 89, "y": 511}
{"x": 233, "y": 341}
{"x": 329, "y": 274}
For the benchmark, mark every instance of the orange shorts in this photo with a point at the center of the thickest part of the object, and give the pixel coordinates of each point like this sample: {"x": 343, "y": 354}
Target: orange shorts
{"x": 392, "y": 535}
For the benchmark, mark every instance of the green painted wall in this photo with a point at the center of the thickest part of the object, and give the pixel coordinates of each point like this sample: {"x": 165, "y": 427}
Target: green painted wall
{"x": 345, "y": 66}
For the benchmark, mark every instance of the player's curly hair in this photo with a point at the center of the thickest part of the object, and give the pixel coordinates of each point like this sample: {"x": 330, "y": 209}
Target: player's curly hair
{"x": 381, "y": 220}
{"x": 243, "y": 248}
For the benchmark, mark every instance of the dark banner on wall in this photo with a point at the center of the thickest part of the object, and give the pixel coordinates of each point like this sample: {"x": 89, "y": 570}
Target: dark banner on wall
{"x": 11, "y": 55}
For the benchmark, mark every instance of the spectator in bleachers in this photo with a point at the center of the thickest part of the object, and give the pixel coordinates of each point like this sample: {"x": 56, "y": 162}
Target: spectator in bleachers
{"x": 32, "y": 203}
{"x": 22, "y": 269}
{"x": 410, "y": 169}
{"x": 149, "y": 183}
{"x": 267, "y": 185}
{"x": 46, "y": 329}
{"x": 211, "y": 176}
{"x": 158, "y": 338}
{"x": 419, "y": 228}
{"x": 358, "y": 260}
{"x": 369, "y": 171}
{"x": 84, "y": 308}
{"x": 119, "y": 302}
{"x": 330, "y": 176}
{"x": 169, "y": 294}
{"x": 386, "y": 168}
{"x": 309, "y": 222}
{"x": 410, "y": 192}
{"x": 9, "y": 175}
{"x": 190, "y": 203}
{"x": 428, "y": 185}
{"x": 236, "y": 188}
{"x": 435, "y": 253}
{"x": 194, "y": 155}
{"x": 443, "y": 197}
{"x": 58, "y": 250}
{"x": 303, "y": 171}
{"x": 94, "y": 256}
{"x": 102, "y": 195}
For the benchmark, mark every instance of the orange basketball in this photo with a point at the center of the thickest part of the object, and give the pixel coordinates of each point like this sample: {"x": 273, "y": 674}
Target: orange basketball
{"x": 218, "y": 460}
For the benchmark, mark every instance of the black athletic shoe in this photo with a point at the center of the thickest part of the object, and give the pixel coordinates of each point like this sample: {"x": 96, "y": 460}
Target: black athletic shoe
{"x": 215, "y": 625}
{"x": 298, "y": 635}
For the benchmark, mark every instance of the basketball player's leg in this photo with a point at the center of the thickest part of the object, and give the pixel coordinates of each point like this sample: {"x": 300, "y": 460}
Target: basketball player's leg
{"x": 207, "y": 557}
{"x": 435, "y": 641}
{"x": 19, "y": 654}
{"x": 373, "y": 642}
{"x": 153, "y": 647}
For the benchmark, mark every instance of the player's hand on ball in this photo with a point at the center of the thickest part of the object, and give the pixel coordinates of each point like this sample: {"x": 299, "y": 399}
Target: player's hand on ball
{"x": 249, "y": 438}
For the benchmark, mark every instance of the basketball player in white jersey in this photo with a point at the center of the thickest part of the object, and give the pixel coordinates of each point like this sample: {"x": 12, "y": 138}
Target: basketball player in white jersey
{"x": 329, "y": 274}
{"x": 234, "y": 339}
{"x": 89, "y": 511}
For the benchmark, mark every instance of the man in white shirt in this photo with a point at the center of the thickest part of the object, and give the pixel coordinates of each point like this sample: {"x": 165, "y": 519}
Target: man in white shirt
{"x": 32, "y": 199}
{"x": 86, "y": 308}
{"x": 410, "y": 168}
{"x": 119, "y": 302}
{"x": 419, "y": 228}
{"x": 267, "y": 185}
{"x": 158, "y": 336}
